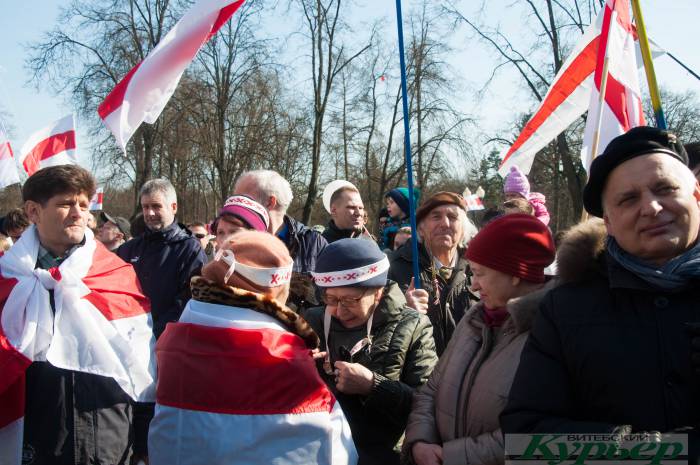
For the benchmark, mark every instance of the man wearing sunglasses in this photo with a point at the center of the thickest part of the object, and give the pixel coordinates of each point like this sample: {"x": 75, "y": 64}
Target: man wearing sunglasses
{"x": 375, "y": 350}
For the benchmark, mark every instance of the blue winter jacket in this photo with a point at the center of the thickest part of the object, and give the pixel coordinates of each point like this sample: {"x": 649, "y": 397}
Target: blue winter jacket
{"x": 164, "y": 262}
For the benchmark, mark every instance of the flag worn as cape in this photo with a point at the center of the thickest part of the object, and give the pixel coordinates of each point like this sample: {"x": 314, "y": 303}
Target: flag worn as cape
{"x": 101, "y": 324}
{"x": 236, "y": 386}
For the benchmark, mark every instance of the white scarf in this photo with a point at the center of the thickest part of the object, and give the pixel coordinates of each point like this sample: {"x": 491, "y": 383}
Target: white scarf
{"x": 77, "y": 336}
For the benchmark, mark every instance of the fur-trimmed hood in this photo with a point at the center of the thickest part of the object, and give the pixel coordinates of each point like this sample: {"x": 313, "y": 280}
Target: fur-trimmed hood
{"x": 205, "y": 290}
{"x": 581, "y": 252}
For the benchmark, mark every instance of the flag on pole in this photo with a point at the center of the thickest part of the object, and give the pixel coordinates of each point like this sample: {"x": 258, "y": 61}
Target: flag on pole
{"x": 143, "y": 93}
{"x": 474, "y": 202}
{"x": 8, "y": 167}
{"x": 566, "y": 100}
{"x": 621, "y": 110}
{"x": 50, "y": 146}
{"x": 97, "y": 199}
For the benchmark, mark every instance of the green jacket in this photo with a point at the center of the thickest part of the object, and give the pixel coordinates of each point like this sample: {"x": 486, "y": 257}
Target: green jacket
{"x": 402, "y": 356}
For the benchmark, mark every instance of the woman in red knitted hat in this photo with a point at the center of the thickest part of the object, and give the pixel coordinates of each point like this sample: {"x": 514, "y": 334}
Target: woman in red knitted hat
{"x": 454, "y": 419}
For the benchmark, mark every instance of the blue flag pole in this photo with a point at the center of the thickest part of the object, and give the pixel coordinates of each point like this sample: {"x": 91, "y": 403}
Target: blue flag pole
{"x": 407, "y": 150}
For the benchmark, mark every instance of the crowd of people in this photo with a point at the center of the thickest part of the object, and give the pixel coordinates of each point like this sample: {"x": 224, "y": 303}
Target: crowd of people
{"x": 254, "y": 338}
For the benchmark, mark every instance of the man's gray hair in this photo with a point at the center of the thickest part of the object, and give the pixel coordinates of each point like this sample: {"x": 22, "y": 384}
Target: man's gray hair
{"x": 159, "y": 185}
{"x": 268, "y": 183}
{"x": 469, "y": 230}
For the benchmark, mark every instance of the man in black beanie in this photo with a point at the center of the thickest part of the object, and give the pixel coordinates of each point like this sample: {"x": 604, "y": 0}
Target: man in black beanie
{"x": 610, "y": 350}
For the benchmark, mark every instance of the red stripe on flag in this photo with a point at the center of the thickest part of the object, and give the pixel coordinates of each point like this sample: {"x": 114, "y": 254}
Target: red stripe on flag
{"x": 116, "y": 291}
{"x": 235, "y": 371}
{"x": 116, "y": 97}
{"x": 12, "y": 404}
{"x": 5, "y": 150}
{"x": 582, "y": 67}
{"x": 616, "y": 94}
{"x": 47, "y": 148}
{"x": 224, "y": 15}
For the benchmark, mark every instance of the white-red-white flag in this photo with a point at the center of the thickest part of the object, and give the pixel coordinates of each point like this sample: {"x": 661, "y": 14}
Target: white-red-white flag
{"x": 566, "y": 100}
{"x": 224, "y": 369}
{"x": 50, "y": 146}
{"x": 88, "y": 314}
{"x": 8, "y": 167}
{"x": 143, "y": 93}
{"x": 97, "y": 200}
{"x": 474, "y": 202}
{"x": 622, "y": 109}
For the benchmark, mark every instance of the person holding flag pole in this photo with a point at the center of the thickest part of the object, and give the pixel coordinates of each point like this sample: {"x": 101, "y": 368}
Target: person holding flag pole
{"x": 407, "y": 145}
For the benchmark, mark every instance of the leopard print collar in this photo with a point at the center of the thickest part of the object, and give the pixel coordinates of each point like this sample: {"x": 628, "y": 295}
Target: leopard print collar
{"x": 204, "y": 290}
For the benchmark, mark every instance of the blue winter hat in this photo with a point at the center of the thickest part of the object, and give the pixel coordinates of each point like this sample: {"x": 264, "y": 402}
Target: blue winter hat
{"x": 400, "y": 196}
{"x": 351, "y": 262}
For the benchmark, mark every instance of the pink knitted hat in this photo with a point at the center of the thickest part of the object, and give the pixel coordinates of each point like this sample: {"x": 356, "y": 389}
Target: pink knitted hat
{"x": 537, "y": 201}
{"x": 517, "y": 183}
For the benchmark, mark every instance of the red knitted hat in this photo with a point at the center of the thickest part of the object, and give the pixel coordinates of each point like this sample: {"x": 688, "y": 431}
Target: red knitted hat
{"x": 517, "y": 244}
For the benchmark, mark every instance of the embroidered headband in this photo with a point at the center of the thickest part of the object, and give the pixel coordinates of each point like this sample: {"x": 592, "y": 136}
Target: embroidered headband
{"x": 264, "y": 277}
{"x": 353, "y": 276}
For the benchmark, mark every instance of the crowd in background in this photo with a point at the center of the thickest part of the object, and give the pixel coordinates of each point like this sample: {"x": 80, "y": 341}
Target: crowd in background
{"x": 503, "y": 331}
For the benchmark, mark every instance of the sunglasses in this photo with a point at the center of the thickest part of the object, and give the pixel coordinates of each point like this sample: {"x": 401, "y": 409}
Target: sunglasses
{"x": 200, "y": 235}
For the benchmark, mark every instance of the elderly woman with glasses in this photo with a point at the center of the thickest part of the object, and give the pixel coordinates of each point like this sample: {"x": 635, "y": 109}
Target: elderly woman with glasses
{"x": 375, "y": 351}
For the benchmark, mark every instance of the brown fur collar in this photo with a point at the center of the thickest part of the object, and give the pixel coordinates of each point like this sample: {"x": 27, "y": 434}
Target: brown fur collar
{"x": 205, "y": 290}
{"x": 580, "y": 252}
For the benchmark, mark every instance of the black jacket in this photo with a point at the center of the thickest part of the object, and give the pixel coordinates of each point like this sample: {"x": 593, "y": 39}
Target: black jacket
{"x": 304, "y": 245}
{"x": 606, "y": 350}
{"x": 333, "y": 233}
{"x": 75, "y": 418}
{"x": 164, "y": 262}
{"x": 455, "y": 297}
{"x": 402, "y": 357}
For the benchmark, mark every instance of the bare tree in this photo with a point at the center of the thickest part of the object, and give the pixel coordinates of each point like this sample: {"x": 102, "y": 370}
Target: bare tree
{"x": 92, "y": 48}
{"x": 329, "y": 56}
{"x": 554, "y": 23}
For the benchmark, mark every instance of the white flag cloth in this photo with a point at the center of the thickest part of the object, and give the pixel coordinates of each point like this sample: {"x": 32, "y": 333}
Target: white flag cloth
{"x": 567, "y": 99}
{"x": 50, "y": 146}
{"x": 8, "y": 167}
{"x": 100, "y": 324}
{"x": 96, "y": 202}
{"x": 235, "y": 386}
{"x": 622, "y": 108}
{"x": 143, "y": 93}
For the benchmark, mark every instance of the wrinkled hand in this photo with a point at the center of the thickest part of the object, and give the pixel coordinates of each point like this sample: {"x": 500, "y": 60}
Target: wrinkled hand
{"x": 353, "y": 378}
{"x": 417, "y": 298}
{"x": 426, "y": 454}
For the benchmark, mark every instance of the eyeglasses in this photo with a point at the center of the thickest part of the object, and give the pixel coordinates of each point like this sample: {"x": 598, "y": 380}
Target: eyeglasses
{"x": 200, "y": 235}
{"x": 346, "y": 302}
